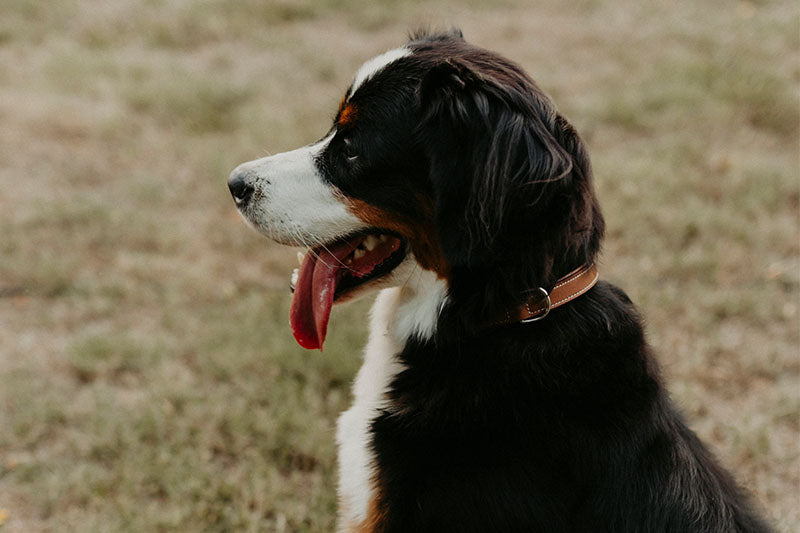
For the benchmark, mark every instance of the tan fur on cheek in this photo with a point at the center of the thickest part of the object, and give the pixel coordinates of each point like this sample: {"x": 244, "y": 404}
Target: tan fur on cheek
{"x": 420, "y": 234}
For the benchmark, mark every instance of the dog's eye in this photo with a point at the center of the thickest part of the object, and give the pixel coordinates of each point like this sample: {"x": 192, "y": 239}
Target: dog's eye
{"x": 349, "y": 150}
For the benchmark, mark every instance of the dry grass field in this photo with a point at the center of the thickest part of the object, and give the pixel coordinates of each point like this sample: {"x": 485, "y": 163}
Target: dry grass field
{"x": 148, "y": 378}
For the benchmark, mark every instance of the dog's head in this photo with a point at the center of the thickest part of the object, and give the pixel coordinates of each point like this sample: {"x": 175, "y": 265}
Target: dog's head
{"x": 442, "y": 156}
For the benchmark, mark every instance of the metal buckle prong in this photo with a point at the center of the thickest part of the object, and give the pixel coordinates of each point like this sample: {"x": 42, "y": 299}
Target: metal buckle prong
{"x": 546, "y": 309}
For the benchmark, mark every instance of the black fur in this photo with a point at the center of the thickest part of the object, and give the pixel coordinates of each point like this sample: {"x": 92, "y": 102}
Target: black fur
{"x": 559, "y": 425}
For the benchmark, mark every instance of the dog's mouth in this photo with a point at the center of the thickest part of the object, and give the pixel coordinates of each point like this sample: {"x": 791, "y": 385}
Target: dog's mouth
{"x": 333, "y": 270}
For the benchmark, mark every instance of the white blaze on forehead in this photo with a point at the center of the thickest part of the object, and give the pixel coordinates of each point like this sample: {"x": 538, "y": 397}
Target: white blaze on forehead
{"x": 376, "y": 64}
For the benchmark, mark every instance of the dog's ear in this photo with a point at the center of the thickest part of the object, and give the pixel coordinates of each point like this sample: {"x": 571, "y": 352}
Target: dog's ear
{"x": 503, "y": 165}
{"x": 454, "y": 112}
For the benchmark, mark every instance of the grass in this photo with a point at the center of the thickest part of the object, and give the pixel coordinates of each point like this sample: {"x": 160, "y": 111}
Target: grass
{"x": 148, "y": 380}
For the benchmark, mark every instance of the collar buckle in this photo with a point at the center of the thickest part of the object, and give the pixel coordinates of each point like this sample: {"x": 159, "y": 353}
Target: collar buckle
{"x": 541, "y": 302}
{"x": 537, "y": 317}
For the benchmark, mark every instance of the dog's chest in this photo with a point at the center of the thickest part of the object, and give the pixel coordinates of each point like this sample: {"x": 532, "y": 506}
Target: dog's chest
{"x": 397, "y": 314}
{"x": 356, "y": 461}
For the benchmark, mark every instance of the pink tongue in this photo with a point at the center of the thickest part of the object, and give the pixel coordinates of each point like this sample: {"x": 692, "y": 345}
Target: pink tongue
{"x": 314, "y": 291}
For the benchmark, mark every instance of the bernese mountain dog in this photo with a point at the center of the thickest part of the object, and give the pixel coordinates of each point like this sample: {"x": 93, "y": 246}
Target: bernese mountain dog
{"x": 503, "y": 387}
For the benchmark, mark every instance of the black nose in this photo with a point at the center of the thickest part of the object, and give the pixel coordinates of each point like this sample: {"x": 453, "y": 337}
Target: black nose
{"x": 240, "y": 189}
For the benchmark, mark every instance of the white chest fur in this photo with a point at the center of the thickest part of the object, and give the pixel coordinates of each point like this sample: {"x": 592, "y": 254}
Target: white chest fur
{"x": 398, "y": 313}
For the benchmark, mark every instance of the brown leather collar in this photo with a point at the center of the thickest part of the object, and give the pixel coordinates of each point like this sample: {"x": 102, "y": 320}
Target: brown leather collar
{"x": 541, "y": 302}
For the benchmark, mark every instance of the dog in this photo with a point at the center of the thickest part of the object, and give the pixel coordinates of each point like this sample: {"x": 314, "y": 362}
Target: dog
{"x": 504, "y": 388}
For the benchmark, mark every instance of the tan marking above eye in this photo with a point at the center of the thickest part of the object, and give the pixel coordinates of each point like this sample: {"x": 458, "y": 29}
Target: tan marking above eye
{"x": 347, "y": 114}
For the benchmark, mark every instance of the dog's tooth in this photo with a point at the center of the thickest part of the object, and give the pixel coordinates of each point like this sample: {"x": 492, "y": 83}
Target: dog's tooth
{"x": 358, "y": 253}
{"x": 300, "y": 256}
{"x": 383, "y": 237}
{"x": 295, "y": 277}
{"x": 370, "y": 242}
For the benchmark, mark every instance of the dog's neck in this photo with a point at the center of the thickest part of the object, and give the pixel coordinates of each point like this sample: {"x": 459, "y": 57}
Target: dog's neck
{"x": 412, "y": 309}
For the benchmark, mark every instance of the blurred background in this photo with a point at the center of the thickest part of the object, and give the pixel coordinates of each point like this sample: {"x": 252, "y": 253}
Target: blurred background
{"x": 148, "y": 377}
